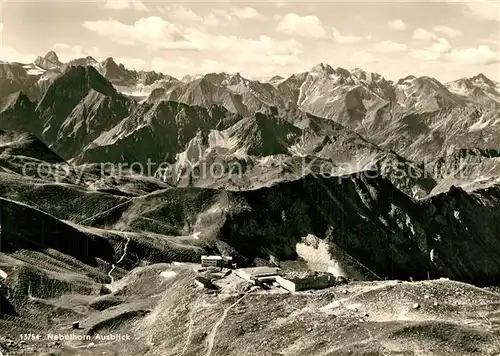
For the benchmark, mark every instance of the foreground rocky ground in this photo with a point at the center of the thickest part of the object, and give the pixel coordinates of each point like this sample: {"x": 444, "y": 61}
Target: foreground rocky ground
{"x": 159, "y": 311}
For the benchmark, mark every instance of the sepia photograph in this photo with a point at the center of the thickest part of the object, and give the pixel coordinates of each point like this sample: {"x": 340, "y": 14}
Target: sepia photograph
{"x": 249, "y": 178}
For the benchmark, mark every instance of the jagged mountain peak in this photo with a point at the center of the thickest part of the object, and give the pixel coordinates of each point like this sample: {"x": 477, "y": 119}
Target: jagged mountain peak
{"x": 51, "y": 56}
{"x": 64, "y": 94}
{"x": 343, "y": 72}
{"x": 323, "y": 68}
{"x": 188, "y": 77}
{"x": 236, "y": 76}
{"x": 213, "y": 78}
{"x": 482, "y": 80}
{"x": 478, "y": 89}
{"x": 236, "y": 79}
{"x": 109, "y": 61}
{"x": 87, "y": 61}
{"x": 408, "y": 78}
{"x": 50, "y": 61}
{"x": 482, "y": 77}
{"x": 363, "y": 75}
{"x": 423, "y": 82}
{"x": 78, "y": 75}
{"x": 109, "y": 65}
{"x": 276, "y": 78}
{"x": 414, "y": 79}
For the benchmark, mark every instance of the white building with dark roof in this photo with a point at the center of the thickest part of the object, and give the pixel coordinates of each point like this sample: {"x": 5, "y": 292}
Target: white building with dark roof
{"x": 215, "y": 261}
{"x": 305, "y": 281}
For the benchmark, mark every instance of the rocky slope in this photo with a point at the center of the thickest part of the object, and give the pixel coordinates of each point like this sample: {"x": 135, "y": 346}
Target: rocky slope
{"x": 162, "y": 312}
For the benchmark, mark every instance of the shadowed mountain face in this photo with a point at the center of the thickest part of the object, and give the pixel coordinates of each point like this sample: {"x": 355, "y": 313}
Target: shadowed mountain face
{"x": 15, "y": 143}
{"x": 77, "y": 107}
{"x": 17, "y": 112}
{"x": 46, "y": 232}
{"x": 65, "y": 93}
{"x": 94, "y": 114}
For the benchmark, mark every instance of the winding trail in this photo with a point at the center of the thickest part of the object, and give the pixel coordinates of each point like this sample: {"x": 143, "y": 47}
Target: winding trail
{"x": 82, "y": 222}
{"x": 113, "y": 266}
{"x": 213, "y": 333}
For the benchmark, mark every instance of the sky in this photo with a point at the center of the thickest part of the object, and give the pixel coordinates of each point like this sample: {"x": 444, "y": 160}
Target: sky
{"x": 442, "y": 39}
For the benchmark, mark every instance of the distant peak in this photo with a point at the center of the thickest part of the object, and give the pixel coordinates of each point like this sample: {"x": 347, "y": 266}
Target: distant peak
{"x": 323, "y": 68}
{"x": 111, "y": 69}
{"x": 343, "y": 72}
{"x": 110, "y": 61}
{"x": 51, "y": 56}
{"x": 408, "y": 78}
{"x": 362, "y": 74}
{"x": 236, "y": 78}
{"x": 482, "y": 78}
{"x": 359, "y": 70}
{"x": 276, "y": 78}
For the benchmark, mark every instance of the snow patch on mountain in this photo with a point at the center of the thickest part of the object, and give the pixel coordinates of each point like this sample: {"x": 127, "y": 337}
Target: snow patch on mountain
{"x": 480, "y": 124}
{"x": 222, "y": 139}
{"x": 33, "y": 69}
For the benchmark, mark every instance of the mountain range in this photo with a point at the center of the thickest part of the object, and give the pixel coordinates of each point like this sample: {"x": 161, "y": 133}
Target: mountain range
{"x": 414, "y": 121}
{"x": 384, "y": 173}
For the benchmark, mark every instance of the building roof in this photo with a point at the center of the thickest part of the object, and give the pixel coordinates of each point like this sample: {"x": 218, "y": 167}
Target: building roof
{"x": 260, "y": 271}
{"x": 214, "y": 257}
{"x": 301, "y": 275}
{"x": 211, "y": 257}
